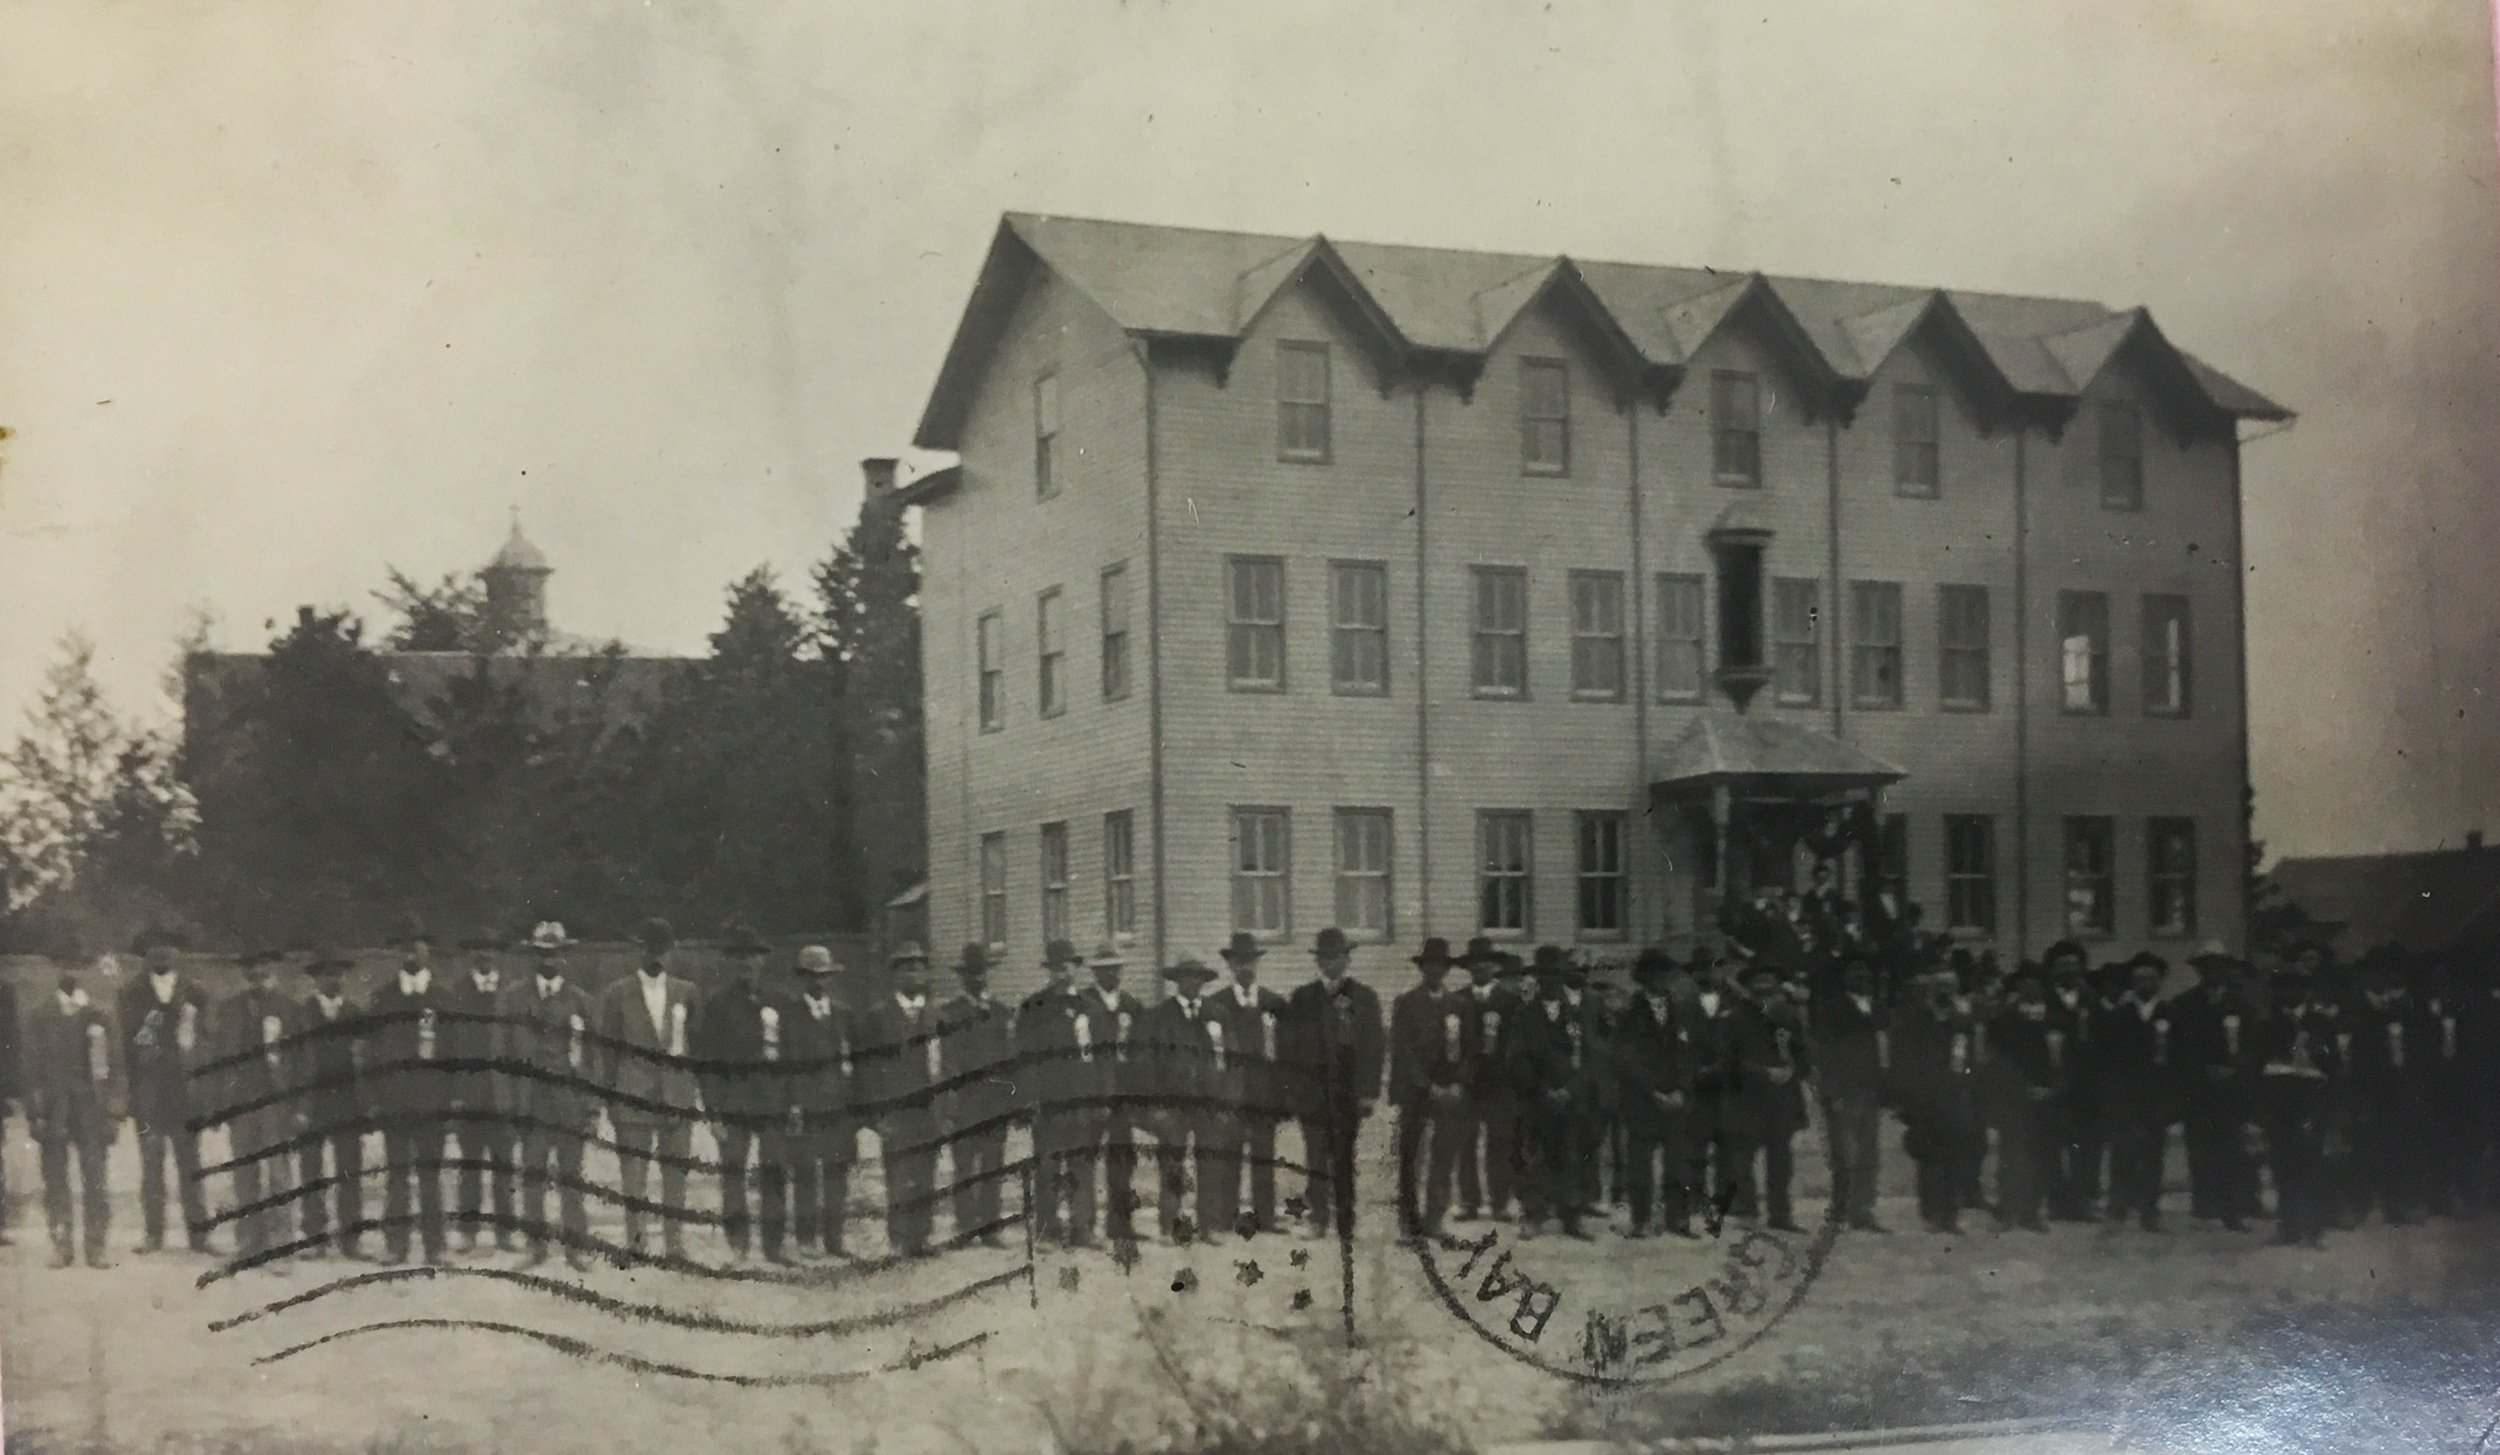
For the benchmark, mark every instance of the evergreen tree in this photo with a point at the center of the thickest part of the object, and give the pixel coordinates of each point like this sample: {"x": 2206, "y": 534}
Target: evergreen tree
{"x": 449, "y": 616}
{"x": 868, "y": 594}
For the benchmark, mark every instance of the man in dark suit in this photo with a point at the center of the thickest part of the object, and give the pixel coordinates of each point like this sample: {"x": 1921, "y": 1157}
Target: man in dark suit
{"x": 824, "y": 1131}
{"x": 2297, "y": 1061}
{"x": 73, "y": 1087}
{"x": 1255, "y": 1017}
{"x": 1851, "y": 1060}
{"x": 326, "y": 1070}
{"x": 1188, "y": 1060}
{"x": 2395, "y": 1060}
{"x": 1934, "y": 1061}
{"x": 1595, "y": 1131}
{"x": 1767, "y": 1103}
{"x": 411, "y": 1096}
{"x": 547, "y": 1025}
{"x": 1431, "y": 1054}
{"x": 255, "y": 1031}
{"x": 738, "y": 1039}
{"x": 1339, "y": 1048}
{"x": 2081, "y": 1138}
{"x": 1485, "y": 1143}
{"x": 1652, "y": 1064}
{"x": 1056, "y": 1071}
{"x": 1112, "y": 1081}
{"x": 899, "y": 1058}
{"x": 165, "y": 1022}
{"x": 645, "y": 1021}
{"x": 2209, "y": 1038}
{"x": 976, "y": 1058}
{"x": 2133, "y": 1048}
{"x": 1554, "y": 1070}
{"x": 2029, "y": 1058}
{"x": 481, "y": 1131}
{"x": 1710, "y": 1133}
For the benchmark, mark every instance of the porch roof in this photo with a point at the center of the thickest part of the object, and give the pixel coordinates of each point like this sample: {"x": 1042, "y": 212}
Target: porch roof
{"x": 1757, "y": 754}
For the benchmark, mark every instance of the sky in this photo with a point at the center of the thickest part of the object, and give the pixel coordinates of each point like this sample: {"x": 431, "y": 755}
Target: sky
{"x": 295, "y": 290}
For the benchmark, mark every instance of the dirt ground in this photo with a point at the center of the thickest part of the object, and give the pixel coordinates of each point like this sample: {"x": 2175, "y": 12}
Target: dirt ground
{"x": 1076, "y": 1353}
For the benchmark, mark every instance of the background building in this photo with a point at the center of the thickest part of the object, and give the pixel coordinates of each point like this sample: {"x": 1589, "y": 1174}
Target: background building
{"x": 1285, "y": 583}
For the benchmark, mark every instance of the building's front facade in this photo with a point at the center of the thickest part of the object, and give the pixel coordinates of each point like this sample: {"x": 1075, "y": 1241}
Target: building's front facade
{"x": 1285, "y": 584}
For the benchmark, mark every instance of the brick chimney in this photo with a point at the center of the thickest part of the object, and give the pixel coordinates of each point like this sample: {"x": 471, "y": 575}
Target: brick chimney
{"x": 880, "y": 473}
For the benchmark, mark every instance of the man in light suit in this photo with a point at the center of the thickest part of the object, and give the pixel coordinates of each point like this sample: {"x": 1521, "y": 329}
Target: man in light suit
{"x": 547, "y": 1023}
{"x": 164, "y": 1022}
{"x": 256, "y": 1028}
{"x": 644, "y": 1021}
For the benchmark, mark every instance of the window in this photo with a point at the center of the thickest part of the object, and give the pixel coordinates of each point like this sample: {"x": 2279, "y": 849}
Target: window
{"x": 994, "y": 891}
{"x": 2170, "y": 876}
{"x": 1050, "y": 682}
{"x": 1119, "y": 874}
{"x": 1544, "y": 417}
{"x": 1363, "y": 872}
{"x": 1115, "y": 633}
{"x": 1962, "y": 648}
{"x": 1597, "y": 635}
{"x": 1680, "y": 638}
{"x": 1505, "y": 894}
{"x": 1602, "y": 897}
{"x": 1262, "y": 843}
{"x": 2122, "y": 456}
{"x": 1892, "y": 858}
{"x": 1501, "y": 654}
{"x": 993, "y": 673}
{"x": 1796, "y": 654}
{"x": 1916, "y": 453}
{"x": 2091, "y": 877}
{"x": 1875, "y": 646}
{"x": 1254, "y": 651}
{"x": 1735, "y": 428}
{"x": 1046, "y": 436}
{"x": 1054, "y": 882}
{"x": 1358, "y": 651}
{"x": 1970, "y": 873}
{"x": 2083, "y": 650}
{"x": 2166, "y": 656}
{"x": 1302, "y": 402}
{"x": 1740, "y": 608}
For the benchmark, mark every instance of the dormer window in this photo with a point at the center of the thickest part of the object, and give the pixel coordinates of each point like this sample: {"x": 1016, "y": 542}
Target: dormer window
{"x": 1736, "y": 428}
{"x": 1544, "y": 417}
{"x": 2122, "y": 456}
{"x": 1302, "y": 402}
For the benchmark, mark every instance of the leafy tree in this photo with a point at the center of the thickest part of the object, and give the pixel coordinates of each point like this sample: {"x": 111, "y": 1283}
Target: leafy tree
{"x": 58, "y": 780}
{"x": 868, "y": 594}
{"x": 449, "y": 616}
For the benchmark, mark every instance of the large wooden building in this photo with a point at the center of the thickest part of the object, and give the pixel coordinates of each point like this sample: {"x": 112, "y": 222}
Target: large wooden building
{"x": 1287, "y": 582}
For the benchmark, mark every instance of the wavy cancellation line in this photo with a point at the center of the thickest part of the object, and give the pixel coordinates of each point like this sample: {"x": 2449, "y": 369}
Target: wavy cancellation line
{"x": 590, "y": 1353}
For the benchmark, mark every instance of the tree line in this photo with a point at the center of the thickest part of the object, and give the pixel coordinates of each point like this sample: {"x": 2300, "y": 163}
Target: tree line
{"x": 334, "y": 787}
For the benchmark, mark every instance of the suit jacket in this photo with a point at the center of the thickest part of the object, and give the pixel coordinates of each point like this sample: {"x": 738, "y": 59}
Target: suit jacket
{"x": 1189, "y": 1056}
{"x": 1652, "y": 1056}
{"x": 1115, "y": 1073}
{"x": 824, "y": 1047}
{"x": 403, "y": 1043}
{"x": 1759, "y": 1042}
{"x": 327, "y": 1065}
{"x": 1255, "y": 1022}
{"x": 898, "y": 1058}
{"x": 1431, "y": 1045}
{"x": 1935, "y": 1059}
{"x": 74, "y": 1076}
{"x": 2395, "y": 1053}
{"x": 2209, "y": 1035}
{"x": 255, "y": 1038}
{"x": 1848, "y": 1054}
{"x": 471, "y": 1033}
{"x": 740, "y": 1036}
{"x": 548, "y": 1040}
{"x": 1713, "y": 1046}
{"x": 642, "y": 1066}
{"x": 1339, "y": 1047}
{"x": 1052, "y": 1068}
{"x": 977, "y": 1056}
{"x": 164, "y": 1042}
{"x": 1490, "y": 1010}
{"x": 1551, "y": 1051}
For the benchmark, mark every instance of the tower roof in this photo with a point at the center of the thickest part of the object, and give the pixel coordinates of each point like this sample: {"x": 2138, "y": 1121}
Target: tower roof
{"x": 517, "y": 553}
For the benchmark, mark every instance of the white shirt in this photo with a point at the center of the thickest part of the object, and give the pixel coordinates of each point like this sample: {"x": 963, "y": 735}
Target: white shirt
{"x": 1661, "y": 1009}
{"x": 415, "y": 984}
{"x": 330, "y": 1005}
{"x": 655, "y": 1000}
{"x": 485, "y": 983}
{"x": 819, "y": 1007}
{"x": 164, "y": 985}
{"x": 1864, "y": 1003}
{"x": 548, "y": 987}
{"x": 1710, "y": 1002}
{"x": 1110, "y": 998}
{"x": 912, "y": 1005}
{"x": 1248, "y": 995}
{"x": 1189, "y": 1006}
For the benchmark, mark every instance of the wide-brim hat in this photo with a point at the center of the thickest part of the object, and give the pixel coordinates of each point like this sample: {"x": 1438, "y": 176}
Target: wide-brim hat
{"x": 2063, "y": 949}
{"x": 973, "y": 959}
{"x": 1243, "y": 946}
{"x": 547, "y": 934}
{"x": 1331, "y": 941}
{"x": 1435, "y": 951}
{"x": 815, "y": 961}
{"x": 1653, "y": 964}
{"x": 1552, "y": 961}
{"x": 1189, "y": 970}
{"x": 325, "y": 958}
{"x": 2212, "y": 952}
{"x": 908, "y": 953}
{"x": 156, "y": 937}
{"x": 743, "y": 941}
{"x": 1106, "y": 955}
{"x": 1508, "y": 966}
{"x": 656, "y": 934}
{"x": 1480, "y": 951}
{"x": 1060, "y": 952}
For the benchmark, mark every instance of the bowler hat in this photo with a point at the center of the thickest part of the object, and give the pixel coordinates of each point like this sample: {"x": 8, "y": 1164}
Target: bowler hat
{"x": 908, "y": 953}
{"x": 2060, "y": 950}
{"x": 1243, "y": 946}
{"x": 1059, "y": 952}
{"x": 973, "y": 959}
{"x": 815, "y": 960}
{"x": 743, "y": 941}
{"x": 657, "y": 934}
{"x": 2147, "y": 959}
{"x": 1106, "y": 954}
{"x": 1436, "y": 951}
{"x": 2212, "y": 952}
{"x": 1331, "y": 941}
{"x": 1189, "y": 970}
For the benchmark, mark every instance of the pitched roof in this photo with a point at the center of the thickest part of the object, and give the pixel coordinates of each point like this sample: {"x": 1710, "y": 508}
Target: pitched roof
{"x": 2443, "y": 899}
{"x": 1724, "y": 746}
{"x": 1155, "y": 281}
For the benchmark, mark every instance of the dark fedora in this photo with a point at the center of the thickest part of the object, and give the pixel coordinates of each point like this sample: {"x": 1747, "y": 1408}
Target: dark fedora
{"x": 1242, "y": 946}
{"x": 1436, "y": 951}
{"x": 1480, "y": 951}
{"x": 1059, "y": 952}
{"x": 657, "y": 934}
{"x": 2212, "y": 952}
{"x": 2062, "y": 949}
{"x": 155, "y": 937}
{"x": 1551, "y": 961}
{"x": 1331, "y": 941}
{"x": 1654, "y": 964}
{"x": 742, "y": 941}
{"x": 1508, "y": 966}
{"x": 412, "y": 930}
{"x": 1189, "y": 970}
{"x": 258, "y": 955}
{"x": 325, "y": 959}
{"x": 973, "y": 959}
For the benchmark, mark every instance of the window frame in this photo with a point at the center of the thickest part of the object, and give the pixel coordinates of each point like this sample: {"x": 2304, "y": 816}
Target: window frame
{"x": 1558, "y": 418}
{"x": 1322, "y": 412}
{"x": 1524, "y": 875}
{"x": 989, "y": 645}
{"x": 2161, "y": 877}
{"x": 993, "y": 866}
{"x": 1114, "y": 590}
{"x": 1050, "y": 666}
{"x": 1782, "y": 645}
{"x": 1048, "y": 422}
{"x": 1919, "y": 405}
{"x": 1239, "y": 818}
{"x": 2160, "y": 663}
{"x": 1613, "y": 884}
{"x": 1381, "y": 881}
{"x": 2121, "y": 470}
{"x": 1730, "y": 389}
{"x": 1612, "y": 646}
{"x": 1340, "y": 630}
{"x": 2096, "y": 664}
{"x": 1867, "y": 655}
{"x": 1964, "y": 885}
{"x": 1670, "y": 584}
{"x": 1235, "y": 625}
{"x": 1891, "y": 855}
{"x": 1949, "y": 651}
{"x": 2081, "y": 830}
{"x": 1119, "y": 874}
{"x": 1481, "y": 636}
{"x": 1054, "y": 879}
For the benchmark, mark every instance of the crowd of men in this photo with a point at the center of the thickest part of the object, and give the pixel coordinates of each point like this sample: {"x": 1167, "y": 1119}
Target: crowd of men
{"x": 1520, "y": 1086}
